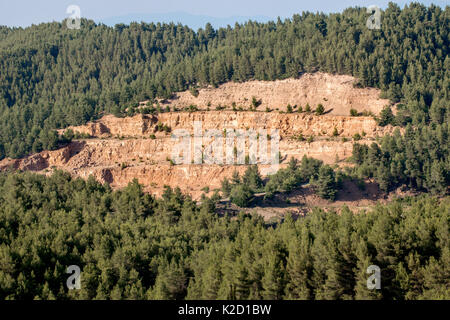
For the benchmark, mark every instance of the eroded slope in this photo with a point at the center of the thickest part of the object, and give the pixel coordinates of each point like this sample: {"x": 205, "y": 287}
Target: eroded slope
{"x": 335, "y": 92}
{"x": 124, "y": 148}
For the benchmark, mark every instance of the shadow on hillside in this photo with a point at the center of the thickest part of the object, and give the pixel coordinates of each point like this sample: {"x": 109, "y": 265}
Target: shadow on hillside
{"x": 75, "y": 147}
{"x": 279, "y": 200}
{"x": 353, "y": 191}
{"x": 300, "y": 201}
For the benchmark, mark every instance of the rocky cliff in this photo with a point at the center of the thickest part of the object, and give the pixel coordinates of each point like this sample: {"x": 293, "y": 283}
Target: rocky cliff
{"x": 287, "y": 123}
{"x": 124, "y": 148}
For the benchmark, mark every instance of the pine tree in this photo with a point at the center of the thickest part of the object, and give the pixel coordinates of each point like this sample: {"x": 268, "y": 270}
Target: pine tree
{"x": 362, "y": 292}
{"x": 226, "y": 187}
{"x": 320, "y": 109}
{"x": 435, "y": 179}
{"x": 273, "y": 280}
{"x": 386, "y": 117}
{"x": 235, "y": 179}
{"x": 299, "y": 269}
{"x": 326, "y": 183}
{"x": 241, "y": 195}
{"x": 252, "y": 178}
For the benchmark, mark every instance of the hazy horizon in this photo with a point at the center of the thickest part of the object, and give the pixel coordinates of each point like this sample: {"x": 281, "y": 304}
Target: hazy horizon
{"x": 194, "y": 14}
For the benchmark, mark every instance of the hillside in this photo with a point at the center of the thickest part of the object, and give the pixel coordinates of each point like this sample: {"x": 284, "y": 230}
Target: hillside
{"x": 90, "y": 177}
{"x": 118, "y": 141}
{"x": 52, "y": 77}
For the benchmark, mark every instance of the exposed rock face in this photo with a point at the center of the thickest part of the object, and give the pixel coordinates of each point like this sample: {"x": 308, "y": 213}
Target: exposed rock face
{"x": 287, "y": 123}
{"x": 124, "y": 148}
{"x": 135, "y": 155}
{"x": 335, "y": 92}
{"x": 113, "y": 126}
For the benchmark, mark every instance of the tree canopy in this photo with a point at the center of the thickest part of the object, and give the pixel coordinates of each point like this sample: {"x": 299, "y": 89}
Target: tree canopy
{"x": 130, "y": 245}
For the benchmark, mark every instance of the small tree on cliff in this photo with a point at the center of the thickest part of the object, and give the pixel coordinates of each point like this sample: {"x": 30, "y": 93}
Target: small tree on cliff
{"x": 320, "y": 109}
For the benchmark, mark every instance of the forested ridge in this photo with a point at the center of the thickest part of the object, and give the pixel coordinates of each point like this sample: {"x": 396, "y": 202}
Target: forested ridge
{"x": 130, "y": 245}
{"x": 51, "y": 77}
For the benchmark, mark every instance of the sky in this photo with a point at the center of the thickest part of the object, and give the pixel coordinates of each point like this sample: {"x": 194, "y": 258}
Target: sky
{"x": 24, "y": 13}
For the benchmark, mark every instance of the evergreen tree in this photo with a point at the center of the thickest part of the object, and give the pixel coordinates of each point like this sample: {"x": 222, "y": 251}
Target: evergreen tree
{"x": 241, "y": 195}
{"x": 386, "y": 117}
{"x": 326, "y": 183}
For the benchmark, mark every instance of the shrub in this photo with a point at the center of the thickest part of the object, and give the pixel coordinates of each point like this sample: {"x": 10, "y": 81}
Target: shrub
{"x": 166, "y": 128}
{"x": 194, "y": 91}
{"x": 300, "y": 137}
{"x": 192, "y": 108}
{"x": 255, "y": 102}
{"x": 68, "y": 135}
{"x": 320, "y": 109}
{"x": 241, "y": 195}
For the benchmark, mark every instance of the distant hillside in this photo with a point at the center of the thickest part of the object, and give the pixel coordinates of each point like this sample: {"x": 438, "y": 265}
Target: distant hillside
{"x": 193, "y": 21}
